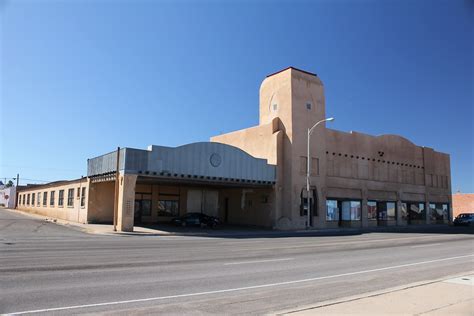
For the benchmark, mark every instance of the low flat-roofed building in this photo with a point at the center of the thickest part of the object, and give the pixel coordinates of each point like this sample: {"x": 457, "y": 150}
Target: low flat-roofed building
{"x": 257, "y": 176}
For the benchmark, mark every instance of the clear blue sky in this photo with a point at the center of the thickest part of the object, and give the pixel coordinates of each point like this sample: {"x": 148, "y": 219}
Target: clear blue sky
{"x": 82, "y": 77}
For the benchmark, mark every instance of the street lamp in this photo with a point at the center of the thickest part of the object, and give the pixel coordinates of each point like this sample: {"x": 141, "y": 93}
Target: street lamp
{"x": 308, "y": 168}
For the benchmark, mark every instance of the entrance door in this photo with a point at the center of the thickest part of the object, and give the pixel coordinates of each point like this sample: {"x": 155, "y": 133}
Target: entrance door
{"x": 203, "y": 201}
{"x": 226, "y": 210}
{"x": 381, "y": 214}
{"x": 138, "y": 211}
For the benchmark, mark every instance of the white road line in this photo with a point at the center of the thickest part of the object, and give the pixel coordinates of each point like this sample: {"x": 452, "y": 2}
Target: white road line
{"x": 158, "y": 298}
{"x": 427, "y": 245}
{"x": 358, "y": 239}
{"x": 280, "y": 246}
{"x": 258, "y": 261}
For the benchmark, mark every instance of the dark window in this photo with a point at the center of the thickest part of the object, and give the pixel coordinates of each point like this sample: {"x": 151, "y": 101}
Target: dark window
{"x": 33, "y": 199}
{"x": 45, "y": 198}
{"x": 168, "y": 208}
{"x": 38, "y": 199}
{"x": 308, "y": 106}
{"x": 51, "y": 198}
{"x": 28, "y": 199}
{"x": 61, "y": 198}
{"x": 304, "y": 203}
{"x": 372, "y": 210}
{"x": 70, "y": 197}
{"x": 416, "y": 211}
{"x": 404, "y": 211}
{"x": 439, "y": 212}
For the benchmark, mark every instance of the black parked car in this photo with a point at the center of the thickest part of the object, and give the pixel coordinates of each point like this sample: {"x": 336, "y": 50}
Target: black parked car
{"x": 196, "y": 219}
{"x": 464, "y": 219}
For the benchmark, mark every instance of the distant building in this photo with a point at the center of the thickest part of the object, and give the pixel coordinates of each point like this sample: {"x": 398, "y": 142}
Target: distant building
{"x": 7, "y": 196}
{"x": 257, "y": 176}
{"x": 463, "y": 203}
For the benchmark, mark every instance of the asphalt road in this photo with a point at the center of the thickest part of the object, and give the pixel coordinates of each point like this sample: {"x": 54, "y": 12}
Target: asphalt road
{"x": 52, "y": 269}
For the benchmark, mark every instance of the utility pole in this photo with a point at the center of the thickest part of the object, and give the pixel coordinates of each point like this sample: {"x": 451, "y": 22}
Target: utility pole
{"x": 16, "y": 189}
{"x": 116, "y": 189}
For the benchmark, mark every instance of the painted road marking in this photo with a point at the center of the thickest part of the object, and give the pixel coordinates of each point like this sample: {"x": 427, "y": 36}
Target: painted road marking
{"x": 282, "y": 246}
{"x": 428, "y": 245}
{"x": 159, "y": 298}
{"x": 258, "y": 261}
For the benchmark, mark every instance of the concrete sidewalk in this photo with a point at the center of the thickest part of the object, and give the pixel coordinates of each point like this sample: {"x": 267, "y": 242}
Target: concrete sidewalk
{"x": 453, "y": 296}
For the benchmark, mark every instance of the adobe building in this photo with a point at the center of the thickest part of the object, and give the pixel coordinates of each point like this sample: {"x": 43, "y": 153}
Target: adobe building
{"x": 257, "y": 176}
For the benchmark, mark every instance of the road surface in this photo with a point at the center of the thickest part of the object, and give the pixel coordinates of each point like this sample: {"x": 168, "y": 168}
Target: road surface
{"x": 47, "y": 268}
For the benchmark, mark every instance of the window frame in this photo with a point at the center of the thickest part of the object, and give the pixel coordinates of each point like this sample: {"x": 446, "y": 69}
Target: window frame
{"x": 70, "y": 197}
{"x": 61, "y": 198}
{"x": 51, "y": 198}
{"x": 163, "y": 213}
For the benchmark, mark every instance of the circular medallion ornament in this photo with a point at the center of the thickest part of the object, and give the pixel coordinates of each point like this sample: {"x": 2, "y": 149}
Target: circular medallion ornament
{"x": 215, "y": 160}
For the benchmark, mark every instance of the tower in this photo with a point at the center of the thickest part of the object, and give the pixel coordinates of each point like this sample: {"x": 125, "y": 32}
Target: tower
{"x": 296, "y": 97}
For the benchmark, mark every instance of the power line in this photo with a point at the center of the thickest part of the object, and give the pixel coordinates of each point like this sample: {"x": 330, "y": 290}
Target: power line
{"x": 27, "y": 179}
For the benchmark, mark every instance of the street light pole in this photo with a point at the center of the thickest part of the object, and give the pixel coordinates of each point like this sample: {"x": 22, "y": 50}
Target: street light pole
{"x": 308, "y": 168}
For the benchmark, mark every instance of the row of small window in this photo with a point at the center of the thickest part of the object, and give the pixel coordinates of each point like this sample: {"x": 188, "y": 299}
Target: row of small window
{"x": 337, "y": 210}
{"x": 29, "y": 199}
{"x": 378, "y": 160}
{"x": 274, "y": 106}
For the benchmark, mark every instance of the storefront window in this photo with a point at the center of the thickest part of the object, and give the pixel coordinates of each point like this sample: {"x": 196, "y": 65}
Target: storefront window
{"x": 445, "y": 211}
{"x": 351, "y": 210}
{"x": 355, "y": 211}
{"x": 382, "y": 211}
{"x": 346, "y": 211}
{"x": 168, "y": 208}
{"x": 372, "y": 210}
{"x": 439, "y": 211}
{"x": 391, "y": 211}
{"x": 332, "y": 211}
{"x": 404, "y": 211}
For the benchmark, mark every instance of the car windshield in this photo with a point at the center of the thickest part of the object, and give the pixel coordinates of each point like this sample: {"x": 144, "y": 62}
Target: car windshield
{"x": 465, "y": 215}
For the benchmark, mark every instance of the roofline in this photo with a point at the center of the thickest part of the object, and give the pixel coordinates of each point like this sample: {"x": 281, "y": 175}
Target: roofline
{"x": 51, "y": 184}
{"x": 291, "y": 67}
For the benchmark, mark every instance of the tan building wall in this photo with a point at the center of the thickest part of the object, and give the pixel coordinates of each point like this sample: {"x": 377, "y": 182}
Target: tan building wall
{"x": 100, "y": 204}
{"x": 463, "y": 203}
{"x": 54, "y": 209}
{"x": 344, "y": 165}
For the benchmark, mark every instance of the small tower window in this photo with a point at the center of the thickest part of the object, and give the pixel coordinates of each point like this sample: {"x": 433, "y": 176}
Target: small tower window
{"x": 308, "y": 106}
{"x": 275, "y": 107}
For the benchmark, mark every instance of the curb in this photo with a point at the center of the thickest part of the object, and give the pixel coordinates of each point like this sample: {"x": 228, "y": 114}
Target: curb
{"x": 368, "y": 294}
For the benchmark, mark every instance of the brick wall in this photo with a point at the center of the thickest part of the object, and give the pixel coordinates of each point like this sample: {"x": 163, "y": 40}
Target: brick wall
{"x": 463, "y": 203}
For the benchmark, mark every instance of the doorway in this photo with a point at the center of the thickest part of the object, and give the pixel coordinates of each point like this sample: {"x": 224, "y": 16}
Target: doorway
{"x": 226, "y": 210}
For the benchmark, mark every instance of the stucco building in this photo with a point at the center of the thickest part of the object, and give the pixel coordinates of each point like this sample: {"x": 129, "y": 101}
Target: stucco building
{"x": 257, "y": 176}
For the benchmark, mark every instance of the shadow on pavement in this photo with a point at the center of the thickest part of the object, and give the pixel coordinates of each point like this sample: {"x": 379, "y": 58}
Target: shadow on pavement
{"x": 242, "y": 232}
